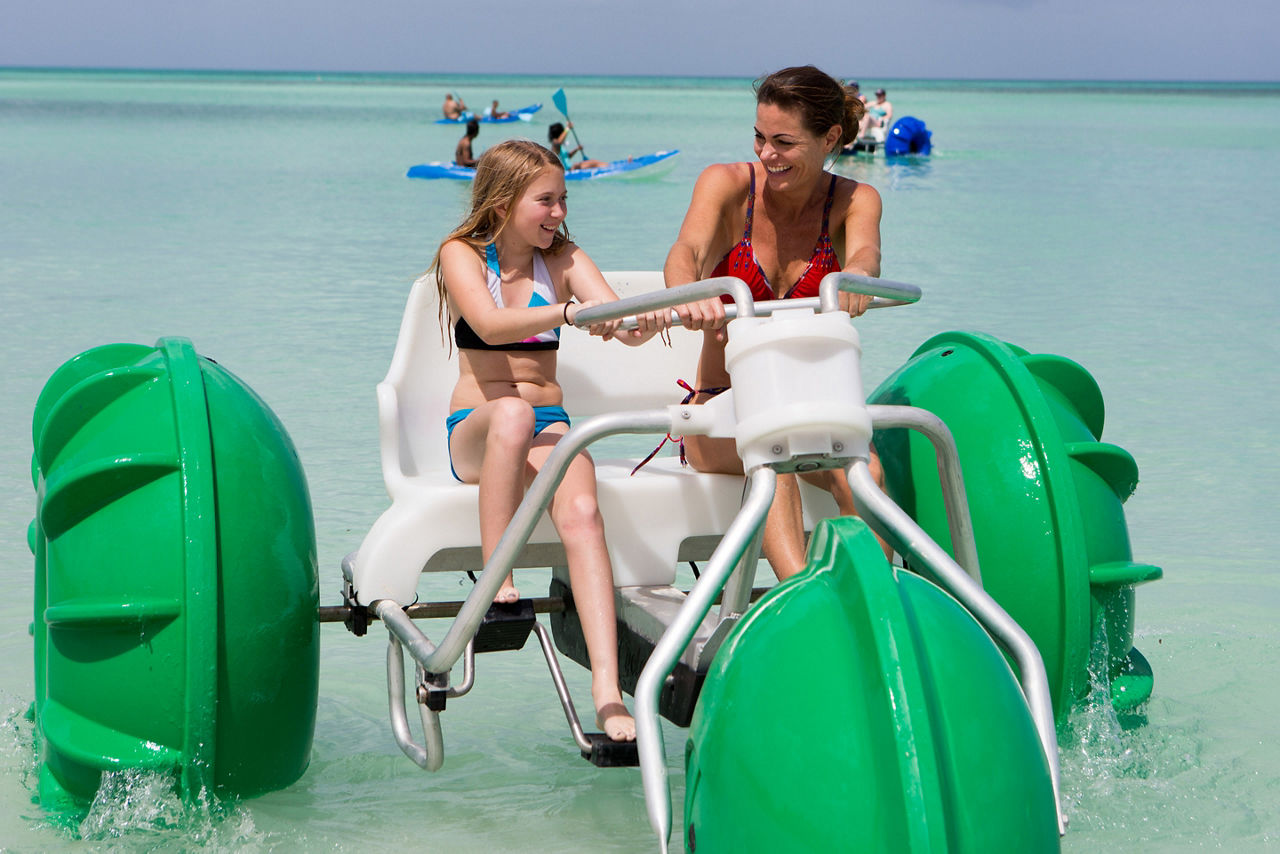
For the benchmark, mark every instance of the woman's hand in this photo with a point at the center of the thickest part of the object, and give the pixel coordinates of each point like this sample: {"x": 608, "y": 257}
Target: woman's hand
{"x": 648, "y": 324}
{"x": 703, "y": 315}
{"x": 855, "y": 304}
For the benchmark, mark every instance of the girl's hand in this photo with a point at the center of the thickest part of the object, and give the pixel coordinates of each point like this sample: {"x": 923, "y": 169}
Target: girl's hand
{"x": 604, "y": 329}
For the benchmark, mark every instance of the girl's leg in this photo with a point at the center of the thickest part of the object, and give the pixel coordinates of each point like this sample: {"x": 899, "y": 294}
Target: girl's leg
{"x": 576, "y": 514}
{"x": 491, "y": 447}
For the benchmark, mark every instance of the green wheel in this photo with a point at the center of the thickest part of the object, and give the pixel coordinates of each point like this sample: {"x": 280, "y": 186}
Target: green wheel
{"x": 856, "y": 708}
{"x": 1046, "y": 496}
{"x": 175, "y": 592}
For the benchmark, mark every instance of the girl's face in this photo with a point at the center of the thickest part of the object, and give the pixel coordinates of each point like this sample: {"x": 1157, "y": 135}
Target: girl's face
{"x": 790, "y": 153}
{"x": 540, "y": 210}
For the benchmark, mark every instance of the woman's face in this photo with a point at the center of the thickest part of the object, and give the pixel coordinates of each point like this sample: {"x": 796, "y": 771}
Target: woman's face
{"x": 540, "y": 210}
{"x": 789, "y": 152}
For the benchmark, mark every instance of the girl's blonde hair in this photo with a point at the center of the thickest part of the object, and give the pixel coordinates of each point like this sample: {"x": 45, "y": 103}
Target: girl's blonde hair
{"x": 503, "y": 173}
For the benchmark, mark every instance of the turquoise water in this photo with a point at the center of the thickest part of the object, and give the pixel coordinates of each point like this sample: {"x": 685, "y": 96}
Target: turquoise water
{"x": 266, "y": 217}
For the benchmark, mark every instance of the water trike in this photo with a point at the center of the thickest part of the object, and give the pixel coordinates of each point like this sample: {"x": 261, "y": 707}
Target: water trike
{"x": 919, "y": 703}
{"x": 907, "y": 136}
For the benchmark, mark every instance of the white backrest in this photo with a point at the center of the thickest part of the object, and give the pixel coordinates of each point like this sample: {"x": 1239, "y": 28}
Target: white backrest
{"x": 597, "y": 377}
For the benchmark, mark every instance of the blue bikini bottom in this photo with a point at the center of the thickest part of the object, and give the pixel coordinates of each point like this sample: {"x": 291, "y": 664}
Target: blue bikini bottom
{"x": 543, "y": 417}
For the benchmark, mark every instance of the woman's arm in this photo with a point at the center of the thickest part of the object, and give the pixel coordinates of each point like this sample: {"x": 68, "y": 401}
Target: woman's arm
{"x": 861, "y": 242}
{"x": 464, "y": 279}
{"x": 706, "y": 234}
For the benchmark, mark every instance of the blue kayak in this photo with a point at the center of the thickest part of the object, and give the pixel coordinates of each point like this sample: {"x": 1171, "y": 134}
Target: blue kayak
{"x": 617, "y": 167}
{"x": 524, "y": 114}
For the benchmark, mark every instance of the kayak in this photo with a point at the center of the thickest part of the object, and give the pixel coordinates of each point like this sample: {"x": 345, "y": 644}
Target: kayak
{"x": 440, "y": 169}
{"x": 524, "y": 114}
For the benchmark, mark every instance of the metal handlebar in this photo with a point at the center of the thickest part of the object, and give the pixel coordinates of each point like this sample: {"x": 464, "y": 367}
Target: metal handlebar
{"x": 886, "y": 292}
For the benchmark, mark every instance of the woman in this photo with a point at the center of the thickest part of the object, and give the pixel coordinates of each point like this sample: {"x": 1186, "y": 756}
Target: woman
{"x": 780, "y": 224}
{"x": 507, "y": 277}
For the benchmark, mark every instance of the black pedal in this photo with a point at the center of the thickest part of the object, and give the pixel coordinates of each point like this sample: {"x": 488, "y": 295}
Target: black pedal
{"x": 607, "y": 753}
{"x": 506, "y": 626}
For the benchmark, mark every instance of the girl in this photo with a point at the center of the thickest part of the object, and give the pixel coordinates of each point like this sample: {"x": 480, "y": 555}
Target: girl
{"x": 507, "y": 278}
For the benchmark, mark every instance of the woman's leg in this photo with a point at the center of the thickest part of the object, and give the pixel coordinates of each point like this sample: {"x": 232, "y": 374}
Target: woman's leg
{"x": 576, "y": 514}
{"x": 491, "y": 447}
{"x": 835, "y": 482}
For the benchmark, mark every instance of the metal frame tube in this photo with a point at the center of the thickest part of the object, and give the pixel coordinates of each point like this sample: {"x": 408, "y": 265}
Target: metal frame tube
{"x": 429, "y": 755}
{"x": 562, "y": 689}
{"x": 959, "y": 522}
{"x": 737, "y": 590}
{"x": 680, "y": 295}
{"x": 439, "y": 659}
{"x": 832, "y": 283}
{"x": 762, "y": 482}
{"x": 892, "y": 522}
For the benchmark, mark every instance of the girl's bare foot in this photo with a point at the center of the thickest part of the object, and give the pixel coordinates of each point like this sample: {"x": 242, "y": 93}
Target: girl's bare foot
{"x": 508, "y": 593}
{"x": 616, "y": 722}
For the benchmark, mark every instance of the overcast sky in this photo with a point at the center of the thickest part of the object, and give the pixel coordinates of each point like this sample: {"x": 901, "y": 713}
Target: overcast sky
{"x": 1016, "y": 39}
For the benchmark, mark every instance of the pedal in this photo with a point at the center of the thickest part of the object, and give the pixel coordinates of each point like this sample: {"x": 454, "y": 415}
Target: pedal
{"x": 607, "y": 753}
{"x": 506, "y": 626}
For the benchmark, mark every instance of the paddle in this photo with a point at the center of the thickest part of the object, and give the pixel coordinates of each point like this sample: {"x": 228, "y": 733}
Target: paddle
{"x": 563, "y": 106}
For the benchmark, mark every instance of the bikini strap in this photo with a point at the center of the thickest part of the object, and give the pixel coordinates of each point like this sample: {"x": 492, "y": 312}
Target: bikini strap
{"x": 491, "y": 259}
{"x": 751, "y": 203}
{"x": 693, "y": 392}
{"x": 826, "y": 209}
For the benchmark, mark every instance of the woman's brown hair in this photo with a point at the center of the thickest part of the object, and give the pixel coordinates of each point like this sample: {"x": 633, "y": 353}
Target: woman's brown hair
{"x": 818, "y": 97}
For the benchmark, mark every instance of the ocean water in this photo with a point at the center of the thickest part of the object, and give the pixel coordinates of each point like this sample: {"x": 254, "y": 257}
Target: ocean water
{"x": 267, "y": 217}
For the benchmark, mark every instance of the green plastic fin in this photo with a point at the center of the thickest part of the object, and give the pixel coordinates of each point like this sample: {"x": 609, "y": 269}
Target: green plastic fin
{"x": 1133, "y": 686}
{"x": 1112, "y": 463}
{"x": 75, "y": 370}
{"x": 82, "y": 403}
{"x": 1074, "y": 383}
{"x": 1123, "y": 573}
{"x": 75, "y": 495}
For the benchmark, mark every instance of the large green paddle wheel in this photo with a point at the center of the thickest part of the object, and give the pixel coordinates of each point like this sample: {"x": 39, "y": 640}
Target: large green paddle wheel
{"x": 1046, "y": 497}
{"x": 175, "y": 592}
{"x": 860, "y": 708}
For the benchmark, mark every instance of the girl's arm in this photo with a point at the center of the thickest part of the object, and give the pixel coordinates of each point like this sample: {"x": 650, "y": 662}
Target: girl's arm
{"x": 588, "y": 286}
{"x": 464, "y": 279}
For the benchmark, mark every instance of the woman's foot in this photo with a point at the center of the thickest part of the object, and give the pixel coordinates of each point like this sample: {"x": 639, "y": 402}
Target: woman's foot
{"x": 616, "y": 722}
{"x": 507, "y": 594}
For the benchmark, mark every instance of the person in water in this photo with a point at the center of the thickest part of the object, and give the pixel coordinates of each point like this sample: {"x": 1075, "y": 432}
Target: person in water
{"x": 864, "y": 124}
{"x": 453, "y": 108}
{"x": 881, "y": 111}
{"x": 507, "y": 278}
{"x": 463, "y": 154}
{"x": 780, "y": 223}
{"x": 557, "y": 134}
{"x": 492, "y": 111}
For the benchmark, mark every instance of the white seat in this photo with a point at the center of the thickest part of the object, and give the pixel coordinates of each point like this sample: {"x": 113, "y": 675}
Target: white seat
{"x": 663, "y": 514}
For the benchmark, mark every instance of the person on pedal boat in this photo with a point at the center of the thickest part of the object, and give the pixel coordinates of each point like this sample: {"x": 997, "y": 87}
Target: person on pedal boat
{"x": 507, "y": 278}
{"x": 780, "y": 224}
